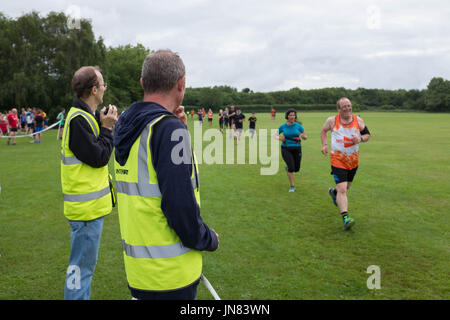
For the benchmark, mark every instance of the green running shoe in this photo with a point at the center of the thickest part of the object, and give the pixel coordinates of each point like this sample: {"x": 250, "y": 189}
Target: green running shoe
{"x": 348, "y": 222}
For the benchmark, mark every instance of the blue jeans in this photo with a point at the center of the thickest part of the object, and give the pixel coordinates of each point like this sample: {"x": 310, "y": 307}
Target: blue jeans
{"x": 85, "y": 241}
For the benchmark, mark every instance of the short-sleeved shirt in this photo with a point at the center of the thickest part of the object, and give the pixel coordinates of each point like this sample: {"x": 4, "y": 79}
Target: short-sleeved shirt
{"x": 290, "y": 132}
{"x": 3, "y": 125}
{"x": 61, "y": 118}
{"x": 29, "y": 117}
{"x": 252, "y": 122}
{"x": 237, "y": 123}
{"x": 12, "y": 120}
{"x": 39, "y": 118}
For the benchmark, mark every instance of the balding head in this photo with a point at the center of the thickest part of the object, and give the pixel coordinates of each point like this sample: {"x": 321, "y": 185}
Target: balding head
{"x": 343, "y": 101}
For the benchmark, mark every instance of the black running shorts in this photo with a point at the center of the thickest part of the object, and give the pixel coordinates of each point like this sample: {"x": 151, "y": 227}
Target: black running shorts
{"x": 343, "y": 175}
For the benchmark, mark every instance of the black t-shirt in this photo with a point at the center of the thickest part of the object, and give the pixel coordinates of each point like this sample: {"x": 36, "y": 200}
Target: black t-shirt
{"x": 237, "y": 121}
{"x": 252, "y": 123}
{"x": 39, "y": 120}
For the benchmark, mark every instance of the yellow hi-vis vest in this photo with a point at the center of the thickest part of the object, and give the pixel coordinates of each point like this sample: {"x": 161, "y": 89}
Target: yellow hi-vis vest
{"x": 85, "y": 189}
{"x": 155, "y": 259}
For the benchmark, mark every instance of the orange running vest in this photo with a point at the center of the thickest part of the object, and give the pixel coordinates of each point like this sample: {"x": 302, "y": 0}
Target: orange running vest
{"x": 344, "y": 154}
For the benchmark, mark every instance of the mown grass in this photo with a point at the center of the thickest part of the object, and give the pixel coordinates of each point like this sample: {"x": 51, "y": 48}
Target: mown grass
{"x": 273, "y": 244}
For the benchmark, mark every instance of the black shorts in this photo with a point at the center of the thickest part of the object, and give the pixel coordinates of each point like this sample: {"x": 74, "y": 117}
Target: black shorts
{"x": 343, "y": 175}
{"x": 13, "y": 129}
{"x": 293, "y": 158}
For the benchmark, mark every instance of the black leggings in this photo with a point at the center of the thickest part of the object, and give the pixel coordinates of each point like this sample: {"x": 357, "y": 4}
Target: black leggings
{"x": 293, "y": 157}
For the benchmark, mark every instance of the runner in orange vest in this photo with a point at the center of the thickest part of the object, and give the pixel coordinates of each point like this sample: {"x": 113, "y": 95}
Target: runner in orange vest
{"x": 348, "y": 131}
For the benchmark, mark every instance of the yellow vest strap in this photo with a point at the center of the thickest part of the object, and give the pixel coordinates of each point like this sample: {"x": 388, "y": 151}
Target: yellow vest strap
{"x": 138, "y": 189}
{"x": 154, "y": 252}
{"x": 70, "y": 160}
{"x": 86, "y": 196}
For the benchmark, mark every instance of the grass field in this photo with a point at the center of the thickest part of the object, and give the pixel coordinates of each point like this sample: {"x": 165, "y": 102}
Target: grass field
{"x": 273, "y": 244}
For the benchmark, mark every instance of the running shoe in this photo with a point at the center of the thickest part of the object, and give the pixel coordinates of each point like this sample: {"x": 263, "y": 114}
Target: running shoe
{"x": 348, "y": 222}
{"x": 332, "y": 195}
{"x": 291, "y": 189}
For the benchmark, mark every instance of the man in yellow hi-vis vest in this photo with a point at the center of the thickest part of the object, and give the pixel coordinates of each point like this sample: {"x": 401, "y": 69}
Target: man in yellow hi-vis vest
{"x": 86, "y": 148}
{"x": 158, "y": 188}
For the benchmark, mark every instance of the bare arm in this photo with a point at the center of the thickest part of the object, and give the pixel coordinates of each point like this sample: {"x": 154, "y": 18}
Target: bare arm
{"x": 328, "y": 125}
{"x": 364, "y": 137}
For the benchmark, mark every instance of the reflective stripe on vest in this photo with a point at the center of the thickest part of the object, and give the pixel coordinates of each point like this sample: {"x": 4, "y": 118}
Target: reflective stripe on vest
{"x": 154, "y": 252}
{"x": 86, "y": 196}
{"x": 70, "y": 160}
{"x": 143, "y": 190}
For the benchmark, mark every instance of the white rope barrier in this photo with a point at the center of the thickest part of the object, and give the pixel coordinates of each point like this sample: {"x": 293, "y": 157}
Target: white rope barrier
{"x": 210, "y": 287}
{"x": 32, "y": 134}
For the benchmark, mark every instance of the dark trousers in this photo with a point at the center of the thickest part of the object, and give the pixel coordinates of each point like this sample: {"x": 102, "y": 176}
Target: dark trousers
{"x": 186, "y": 293}
{"x": 293, "y": 158}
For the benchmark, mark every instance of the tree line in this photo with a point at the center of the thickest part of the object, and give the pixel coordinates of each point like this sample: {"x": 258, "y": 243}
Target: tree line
{"x": 39, "y": 55}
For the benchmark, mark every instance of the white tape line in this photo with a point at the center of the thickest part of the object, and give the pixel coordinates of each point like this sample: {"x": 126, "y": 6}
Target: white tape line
{"x": 30, "y": 135}
{"x": 210, "y": 288}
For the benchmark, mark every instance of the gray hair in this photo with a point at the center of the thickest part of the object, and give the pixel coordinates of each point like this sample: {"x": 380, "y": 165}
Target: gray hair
{"x": 161, "y": 71}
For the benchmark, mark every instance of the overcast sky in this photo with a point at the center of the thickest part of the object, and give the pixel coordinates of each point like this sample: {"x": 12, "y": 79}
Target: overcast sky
{"x": 269, "y": 45}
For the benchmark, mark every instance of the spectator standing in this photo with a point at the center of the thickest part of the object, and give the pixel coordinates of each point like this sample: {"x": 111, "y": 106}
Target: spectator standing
{"x": 60, "y": 117}
{"x": 39, "y": 125}
{"x": 3, "y": 125}
{"x": 29, "y": 116}
{"x": 13, "y": 122}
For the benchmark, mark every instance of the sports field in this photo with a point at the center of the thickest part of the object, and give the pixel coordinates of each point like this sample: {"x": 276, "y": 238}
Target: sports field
{"x": 273, "y": 244}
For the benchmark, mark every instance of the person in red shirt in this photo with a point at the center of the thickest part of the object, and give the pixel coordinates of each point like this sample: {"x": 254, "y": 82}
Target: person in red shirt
{"x": 3, "y": 125}
{"x": 13, "y": 122}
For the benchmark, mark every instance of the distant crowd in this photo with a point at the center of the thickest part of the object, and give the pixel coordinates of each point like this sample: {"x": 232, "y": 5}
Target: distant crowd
{"x": 30, "y": 121}
{"x": 230, "y": 118}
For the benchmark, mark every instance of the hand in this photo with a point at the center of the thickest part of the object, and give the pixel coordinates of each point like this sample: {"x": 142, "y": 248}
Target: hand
{"x": 356, "y": 139}
{"x": 325, "y": 150}
{"x": 109, "y": 120}
{"x": 303, "y": 136}
{"x": 217, "y": 235}
{"x": 179, "y": 112}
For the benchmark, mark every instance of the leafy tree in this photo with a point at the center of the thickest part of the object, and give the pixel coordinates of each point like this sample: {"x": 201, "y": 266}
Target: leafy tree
{"x": 437, "y": 97}
{"x": 122, "y": 73}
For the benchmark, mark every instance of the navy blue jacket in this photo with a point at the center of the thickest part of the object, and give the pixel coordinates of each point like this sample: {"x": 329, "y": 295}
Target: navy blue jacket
{"x": 178, "y": 199}
{"x": 92, "y": 150}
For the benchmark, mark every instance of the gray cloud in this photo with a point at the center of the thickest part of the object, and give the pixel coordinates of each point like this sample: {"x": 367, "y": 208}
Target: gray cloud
{"x": 271, "y": 45}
